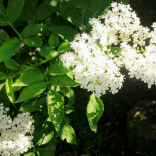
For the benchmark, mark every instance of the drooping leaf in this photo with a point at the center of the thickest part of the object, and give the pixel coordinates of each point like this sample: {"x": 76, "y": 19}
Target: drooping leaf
{"x": 32, "y": 91}
{"x": 28, "y": 77}
{"x": 123, "y": 1}
{"x": 14, "y": 9}
{"x": 55, "y": 108}
{"x": 33, "y": 104}
{"x": 31, "y": 29}
{"x": 71, "y": 100}
{"x": 3, "y": 76}
{"x": 43, "y": 11}
{"x": 64, "y": 47}
{"x": 67, "y": 132}
{"x": 44, "y": 152}
{"x": 11, "y": 64}
{"x": 65, "y": 32}
{"x": 3, "y": 36}
{"x": 9, "y": 89}
{"x": 26, "y": 15}
{"x": 8, "y": 48}
{"x": 66, "y": 10}
{"x": 57, "y": 69}
{"x": 53, "y": 40}
{"x": 95, "y": 110}
{"x": 62, "y": 81}
{"x": 33, "y": 41}
{"x": 3, "y": 18}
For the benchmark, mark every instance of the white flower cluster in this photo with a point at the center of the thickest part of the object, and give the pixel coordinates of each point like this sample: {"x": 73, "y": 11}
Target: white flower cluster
{"x": 13, "y": 133}
{"x": 95, "y": 63}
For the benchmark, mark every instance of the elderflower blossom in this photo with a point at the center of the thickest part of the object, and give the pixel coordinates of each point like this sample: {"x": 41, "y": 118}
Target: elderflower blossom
{"x": 97, "y": 67}
{"x": 13, "y": 133}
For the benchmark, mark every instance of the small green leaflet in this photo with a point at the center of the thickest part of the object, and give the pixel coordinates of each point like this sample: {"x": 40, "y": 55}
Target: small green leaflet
{"x": 95, "y": 110}
{"x": 45, "y": 51}
{"x": 11, "y": 64}
{"x": 57, "y": 69}
{"x": 29, "y": 153}
{"x": 31, "y": 29}
{"x": 115, "y": 50}
{"x": 9, "y": 89}
{"x": 62, "y": 81}
{"x": 67, "y": 132}
{"x": 55, "y": 104}
{"x": 53, "y": 40}
{"x": 32, "y": 91}
{"x": 28, "y": 77}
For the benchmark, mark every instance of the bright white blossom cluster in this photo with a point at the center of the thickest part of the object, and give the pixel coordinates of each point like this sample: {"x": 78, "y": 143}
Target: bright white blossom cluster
{"x": 13, "y": 133}
{"x": 97, "y": 65}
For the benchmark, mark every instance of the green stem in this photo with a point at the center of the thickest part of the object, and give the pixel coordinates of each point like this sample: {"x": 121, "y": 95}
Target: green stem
{"x": 45, "y": 73}
{"x": 11, "y": 25}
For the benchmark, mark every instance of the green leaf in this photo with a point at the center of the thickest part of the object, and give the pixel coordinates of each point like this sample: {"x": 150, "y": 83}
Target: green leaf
{"x": 33, "y": 41}
{"x": 66, "y": 10}
{"x": 3, "y": 36}
{"x": 44, "y": 152}
{"x": 33, "y": 104}
{"x": 3, "y": 76}
{"x": 57, "y": 69}
{"x": 1, "y": 86}
{"x": 26, "y": 15}
{"x": 62, "y": 81}
{"x": 45, "y": 134}
{"x": 32, "y": 91}
{"x": 53, "y": 40}
{"x": 67, "y": 132}
{"x": 31, "y": 29}
{"x": 9, "y": 89}
{"x": 64, "y": 47}
{"x": 45, "y": 51}
{"x": 65, "y": 32}
{"x": 55, "y": 108}
{"x": 29, "y": 153}
{"x": 31, "y": 4}
{"x": 11, "y": 64}
{"x": 28, "y": 77}
{"x": 43, "y": 11}
{"x": 51, "y": 55}
{"x": 8, "y": 48}
{"x": 14, "y": 9}
{"x": 95, "y": 110}
{"x": 48, "y": 131}
{"x": 123, "y": 1}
